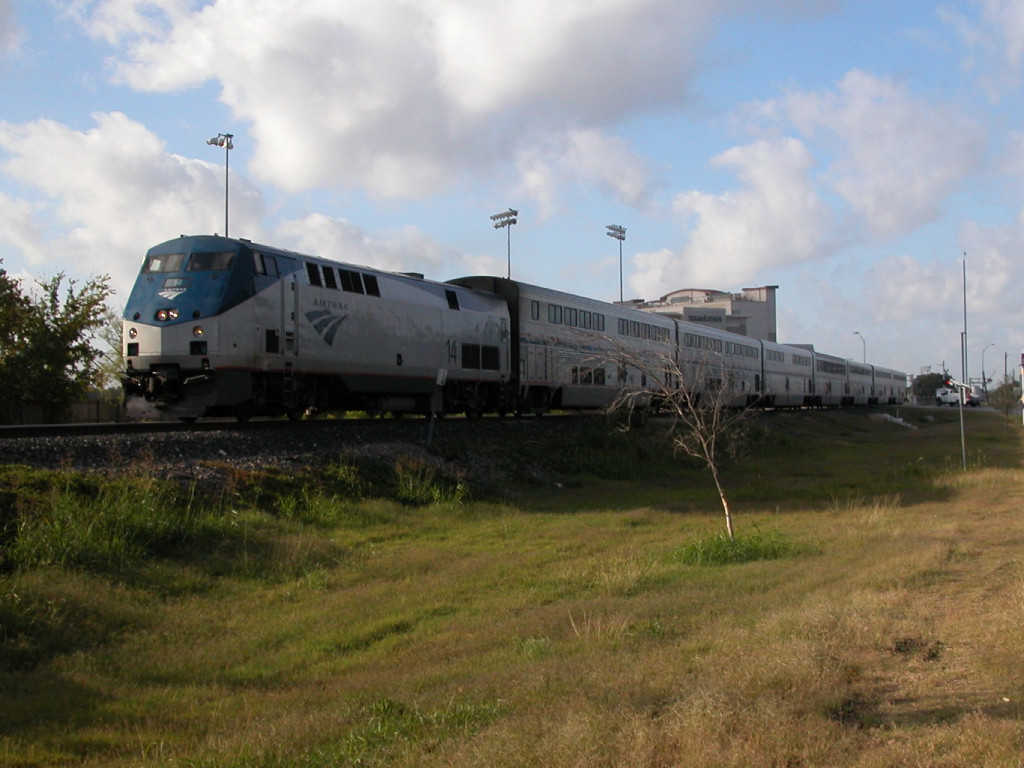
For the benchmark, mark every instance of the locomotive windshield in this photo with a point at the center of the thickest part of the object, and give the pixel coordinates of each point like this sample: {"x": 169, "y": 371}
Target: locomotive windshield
{"x": 164, "y": 262}
{"x": 204, "y": 262}
{"x": 199, "y": 262}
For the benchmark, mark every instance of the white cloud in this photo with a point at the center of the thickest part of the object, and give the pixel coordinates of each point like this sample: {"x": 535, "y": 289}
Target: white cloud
{"x": 899, "y": 157}
{"x": 405, "y": 97}
{"x": 116, "y": 20}
{"x": 590, "y": 157}
{"x": 995, "y": 42}
{"x": 22, "y": 235}
{"x": 776, "y": 218}
{"x": 125, "y": 190}
{"x": 10, "y": 34}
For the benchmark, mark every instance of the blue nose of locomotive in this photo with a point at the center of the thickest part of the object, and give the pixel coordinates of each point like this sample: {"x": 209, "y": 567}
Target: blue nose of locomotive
{"x": 189, "y": 278}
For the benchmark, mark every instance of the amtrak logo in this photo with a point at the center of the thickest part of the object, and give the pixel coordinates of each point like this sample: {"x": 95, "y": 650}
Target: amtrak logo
{"x": 326, "y": 324}
{"x": 171, "y": 293}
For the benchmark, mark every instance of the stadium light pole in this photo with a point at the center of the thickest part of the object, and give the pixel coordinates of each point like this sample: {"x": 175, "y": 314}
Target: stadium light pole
{"x": 619, "y": 233}
{"x": 863, "y": 346}
{"x": 506, "y": 219}
{"x": 224, "y": 140}
{"x": 984, "y": 381}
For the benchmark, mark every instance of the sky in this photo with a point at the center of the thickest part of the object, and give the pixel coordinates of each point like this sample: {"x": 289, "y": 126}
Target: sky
{"x": 865, "y": 156}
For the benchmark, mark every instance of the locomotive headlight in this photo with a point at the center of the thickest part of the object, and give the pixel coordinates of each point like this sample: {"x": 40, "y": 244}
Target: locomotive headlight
{"x": 162, "y": 315}
{"x": 197, "y": 331}
{"x": 133, "y": 332}
{"x": 172, "y": 313}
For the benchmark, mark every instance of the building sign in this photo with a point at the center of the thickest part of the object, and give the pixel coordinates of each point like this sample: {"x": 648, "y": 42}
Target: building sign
{"x": 711, "y": 319}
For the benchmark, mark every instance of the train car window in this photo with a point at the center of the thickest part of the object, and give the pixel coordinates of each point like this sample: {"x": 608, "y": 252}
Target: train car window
{"x": 599, "y": 376}
{"x": 471, "y": 356}
{"x": 585, "y": 319}
{"x": 164, "y": 262}
{"x": 535, "y": 310}
{"x": 490, "y": 358}
{"x": 554, "y": 313}
{"x": 314, "y": 273}
{"x": 634, "y": 328}
{"x": 599, "y": 322}
{"x": 329, "y": 280}
{"x": 206, "y": 262}
{"x": 370, "y": 281}
{"x": 571, "y": 316}
{"x": 623, "y": 327}
{"x": 453, "y": 299}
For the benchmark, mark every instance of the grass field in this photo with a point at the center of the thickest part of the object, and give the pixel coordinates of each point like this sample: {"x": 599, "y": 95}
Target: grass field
{"x": 572, "y": 611}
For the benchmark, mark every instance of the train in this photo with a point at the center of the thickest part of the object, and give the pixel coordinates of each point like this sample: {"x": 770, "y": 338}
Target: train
{"x": 218, "y": 326}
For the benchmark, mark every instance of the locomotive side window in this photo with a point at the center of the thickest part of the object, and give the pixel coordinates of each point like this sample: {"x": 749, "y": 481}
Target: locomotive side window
{"x": 481, "y": 357}
{"x": 273, "y": 342}
{"x": 370, "y": 281}
{"x": 164, "y": 262}
{"x": 265, "y": 264}
{"x": 535, "y": 310}
{"x": 490, "y": 358}
{"x": 350, "y": 281}
{"x": 205, "y": 262}
{"x": 471, "y": 356}
{"x": 313, "y": 271}
{"x": 329, "y": 279}
{"x": 453, "y": 299}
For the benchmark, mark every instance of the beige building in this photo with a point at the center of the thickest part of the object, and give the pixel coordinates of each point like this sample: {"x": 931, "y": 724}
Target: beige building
{"x": 749, "y": 313}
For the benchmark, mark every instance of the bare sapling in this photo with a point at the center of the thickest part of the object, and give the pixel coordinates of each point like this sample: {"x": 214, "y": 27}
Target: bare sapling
{"x": 707, "y": 402}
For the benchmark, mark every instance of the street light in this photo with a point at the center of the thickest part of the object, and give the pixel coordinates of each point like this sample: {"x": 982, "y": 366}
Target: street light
{"x": 864, "y": 346}
{"x": 506, "y": 219}
{"x": 224, "y": 140}
{"x": 619, "y": 233}
{"x": 984, "y": 381}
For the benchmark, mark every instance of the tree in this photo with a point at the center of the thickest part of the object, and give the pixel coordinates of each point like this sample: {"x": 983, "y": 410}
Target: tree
{"x": 709, "y": 411}
{"x": 47, "y": 357}
{"x": 111, "y": 364}
{"x": 1005, "y": 397}
{"x": 924, "y": 386}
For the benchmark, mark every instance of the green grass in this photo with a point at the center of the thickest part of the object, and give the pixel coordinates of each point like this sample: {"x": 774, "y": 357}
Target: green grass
{"x": 575, "y": 606}
{"x": 720, "y": 549}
